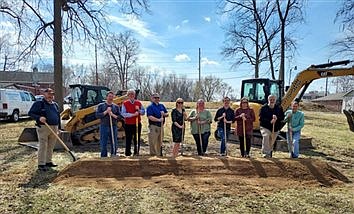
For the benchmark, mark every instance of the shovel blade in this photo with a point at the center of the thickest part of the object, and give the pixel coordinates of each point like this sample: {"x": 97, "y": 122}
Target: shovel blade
{"x": 28, "y": 135}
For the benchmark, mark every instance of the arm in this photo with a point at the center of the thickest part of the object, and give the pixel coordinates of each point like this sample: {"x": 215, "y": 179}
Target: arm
{"x": 125, "y": 114}
{"x": 238, "y": 115}
{"x": 218, "y": 115}
{"x": 35, "y": 111}
{"x": 300, "y": 124}
{"x": 100, "y": 112}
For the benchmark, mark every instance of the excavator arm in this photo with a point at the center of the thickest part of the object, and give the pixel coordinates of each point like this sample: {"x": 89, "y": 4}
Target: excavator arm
{"x": 305, "y": 77}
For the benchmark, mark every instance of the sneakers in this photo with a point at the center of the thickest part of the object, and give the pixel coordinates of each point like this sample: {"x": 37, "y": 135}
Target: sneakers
{"x": 42, "y": 168}
{"x": 50, "y": 164}
{"x": 223, "y": 154}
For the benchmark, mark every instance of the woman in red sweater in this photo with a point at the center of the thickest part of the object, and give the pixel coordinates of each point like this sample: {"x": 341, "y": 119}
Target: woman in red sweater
{"x": 247, "y": 114}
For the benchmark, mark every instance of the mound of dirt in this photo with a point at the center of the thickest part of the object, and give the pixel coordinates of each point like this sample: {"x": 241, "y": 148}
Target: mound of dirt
{"x": 311, "y": 106}
{"x": 198, "y": 171}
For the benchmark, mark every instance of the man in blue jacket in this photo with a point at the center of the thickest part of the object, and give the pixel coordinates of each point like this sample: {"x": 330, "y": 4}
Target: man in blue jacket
{"x": 46, "y": 111}
{"x": 296, "y": 121}
{"x": 108, "y": 111}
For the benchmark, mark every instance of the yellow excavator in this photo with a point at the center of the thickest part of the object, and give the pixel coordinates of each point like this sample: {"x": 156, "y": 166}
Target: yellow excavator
{"x": 258, "y": 90}
{"x": 79, "y": 120}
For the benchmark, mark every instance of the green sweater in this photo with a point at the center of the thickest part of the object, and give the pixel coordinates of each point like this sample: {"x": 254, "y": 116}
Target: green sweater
{"x": 297, "y": 120}
{"x": 205, "y": 116}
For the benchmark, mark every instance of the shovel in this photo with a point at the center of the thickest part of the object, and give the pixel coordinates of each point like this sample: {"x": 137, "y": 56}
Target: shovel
{"x": 290, "y": 140}
{"x": 184, "y": 125}
{"x": 244, "y": 135}
{"x": 225, "y": 136}
{"x": 113, "y": 141}
{"x": 62, "y": 143}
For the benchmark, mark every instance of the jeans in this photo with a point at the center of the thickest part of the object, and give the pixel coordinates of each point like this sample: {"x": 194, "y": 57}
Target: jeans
{"x": 202, "y": 148}
{"x": 105, "y": 134}
{"x": 293, "y": 146}
{"x": 222, "y": 136}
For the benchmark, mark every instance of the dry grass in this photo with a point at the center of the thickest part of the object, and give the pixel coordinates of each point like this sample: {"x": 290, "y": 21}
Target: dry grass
{"x": 24, "y": 190}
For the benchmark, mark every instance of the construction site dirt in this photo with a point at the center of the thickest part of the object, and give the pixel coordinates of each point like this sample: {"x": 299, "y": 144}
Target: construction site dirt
{"x": 203, "y": 173}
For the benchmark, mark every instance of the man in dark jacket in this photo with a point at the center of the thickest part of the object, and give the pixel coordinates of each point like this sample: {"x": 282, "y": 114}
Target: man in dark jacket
{"x": 46, "y": 111}
{"x": 270, "y": 117}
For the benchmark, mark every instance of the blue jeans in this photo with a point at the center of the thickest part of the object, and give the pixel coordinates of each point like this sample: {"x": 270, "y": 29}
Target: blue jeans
{"x": 293, "y": 146}
{"x": 222, "y": 136}
{"x": 105, "y": 134}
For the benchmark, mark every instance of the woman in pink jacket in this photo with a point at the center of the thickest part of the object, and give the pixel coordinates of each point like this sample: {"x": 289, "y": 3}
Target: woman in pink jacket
{"x": 246, "y": 114}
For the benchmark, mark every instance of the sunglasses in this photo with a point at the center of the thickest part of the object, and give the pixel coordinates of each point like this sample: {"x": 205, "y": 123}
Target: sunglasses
{"x": 157, "y": 97}
{"x": 180, "y": 102}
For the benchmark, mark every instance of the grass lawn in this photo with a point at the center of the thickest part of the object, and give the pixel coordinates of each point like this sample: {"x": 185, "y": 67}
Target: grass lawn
{"x": 24, "y": 190}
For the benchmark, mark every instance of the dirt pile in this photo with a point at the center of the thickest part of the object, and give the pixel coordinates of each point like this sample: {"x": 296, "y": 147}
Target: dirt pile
{"x": 147, "y": 171}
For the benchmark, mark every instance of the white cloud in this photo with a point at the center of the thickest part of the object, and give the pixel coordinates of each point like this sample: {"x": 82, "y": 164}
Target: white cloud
{"x": 177, "y": 27}
{"x": 185, "y": 21}
{"x": 182, "y": 58}
{"x": 206, "y": 61}
{"x": 133, "y": 23}
{"x": 207, "y": 19}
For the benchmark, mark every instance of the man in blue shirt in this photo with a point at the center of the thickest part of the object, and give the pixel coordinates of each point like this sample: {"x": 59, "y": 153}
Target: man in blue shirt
{"x": 46, "y": 111}
{"x": 296, "y": 121}
{"x": 108, "y": 111}
{"x": 156, "y": 113}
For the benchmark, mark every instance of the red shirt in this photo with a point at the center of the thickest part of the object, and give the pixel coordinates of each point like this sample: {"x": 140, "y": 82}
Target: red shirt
{"x": 250, "y": 118}
{"x": 130, "y": 108}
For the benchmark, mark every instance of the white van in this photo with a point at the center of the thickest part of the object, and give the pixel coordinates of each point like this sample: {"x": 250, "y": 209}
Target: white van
{"x": 15, "y": 103}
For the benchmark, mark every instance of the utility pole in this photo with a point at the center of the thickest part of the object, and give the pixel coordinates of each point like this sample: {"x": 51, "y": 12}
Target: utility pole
{"x": 96, "y": 64}
{"x": 58, "y": 53}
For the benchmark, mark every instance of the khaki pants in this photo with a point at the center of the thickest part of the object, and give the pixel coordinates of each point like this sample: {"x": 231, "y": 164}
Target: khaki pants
{"x": 47, "y": 142}
{"x": 267, "y": 141}
{"x": 155, "y": 140}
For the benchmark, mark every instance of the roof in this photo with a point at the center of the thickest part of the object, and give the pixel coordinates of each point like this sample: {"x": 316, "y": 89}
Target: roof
{"x": 349, "y": 93}
{"x": 331, "y": 97}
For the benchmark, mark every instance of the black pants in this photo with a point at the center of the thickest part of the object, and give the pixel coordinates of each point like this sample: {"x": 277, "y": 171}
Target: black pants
{"x": 201, "y": 148}
{"x": 130, "y": 134}
{"x": 242, "y": 145}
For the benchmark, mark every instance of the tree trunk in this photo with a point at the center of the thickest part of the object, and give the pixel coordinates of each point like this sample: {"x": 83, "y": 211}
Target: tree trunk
{"x": 57, "y": 46}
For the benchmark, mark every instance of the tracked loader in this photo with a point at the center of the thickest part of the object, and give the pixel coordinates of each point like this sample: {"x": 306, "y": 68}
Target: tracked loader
{"x": 79, "y": 123}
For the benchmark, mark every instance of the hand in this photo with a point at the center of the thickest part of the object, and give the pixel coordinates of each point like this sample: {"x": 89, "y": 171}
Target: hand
{"x": 182, "y": 127}
{"x": 136, "y": 113}
{"x": 43, "y": 119}
{"x": 289, "y": 115}
{"x": 108, "y": 110}
{"x": 225, "y": 120}
{"x": 242, "y": 115}
{"x": 200, "y": 122}
{"x": 273, "y": 121}
{"x": 244, "y": 118}
{"x": 274, "y": 117}
{"x": 224, "y": 115}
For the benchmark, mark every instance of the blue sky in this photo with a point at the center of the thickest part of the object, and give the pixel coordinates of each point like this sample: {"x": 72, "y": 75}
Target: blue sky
{"x": 171, "y": 35}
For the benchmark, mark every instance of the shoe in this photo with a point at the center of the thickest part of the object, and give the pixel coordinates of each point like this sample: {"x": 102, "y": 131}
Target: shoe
{"x": 51, "y": 164}
{"x": 247, "y": 156}
{"x": 42, "y": 168}
{"x": 222, "y": 154}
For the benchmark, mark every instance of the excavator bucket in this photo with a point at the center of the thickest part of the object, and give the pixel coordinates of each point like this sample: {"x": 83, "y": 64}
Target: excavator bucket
{"x": 350, "y": 118}
{"x": 29, "y": 138}
{"x": 28, "y": 135}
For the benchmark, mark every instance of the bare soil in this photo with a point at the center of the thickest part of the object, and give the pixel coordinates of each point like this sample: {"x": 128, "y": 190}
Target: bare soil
{"x": 227, "y": 174}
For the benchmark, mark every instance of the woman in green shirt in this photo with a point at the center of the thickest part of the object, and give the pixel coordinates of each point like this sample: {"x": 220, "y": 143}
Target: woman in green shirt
{"x": 200, "y": 120}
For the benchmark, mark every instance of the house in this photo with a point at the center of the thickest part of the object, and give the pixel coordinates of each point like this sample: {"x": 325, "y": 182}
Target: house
{"x": 332, "y": 102}
{"x": 348, "y": 101}
{"x": 313, "y": 95}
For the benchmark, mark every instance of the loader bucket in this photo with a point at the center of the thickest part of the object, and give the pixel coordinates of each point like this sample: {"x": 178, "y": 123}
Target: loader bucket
{"x": 350, "y": 118}
{"x": 28, "y": 135}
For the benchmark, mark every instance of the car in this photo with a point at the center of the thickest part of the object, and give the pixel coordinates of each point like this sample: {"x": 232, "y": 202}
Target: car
{"x": 15, "y": 103}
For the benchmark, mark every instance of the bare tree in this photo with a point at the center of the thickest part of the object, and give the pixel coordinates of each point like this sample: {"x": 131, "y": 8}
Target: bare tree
{"x": 344, "y": 46}
{"x": 343, "y": 84}
{"x": 289, "y": 13}
{"x": 77, "y": 19}
{"x": 121, "y": 54}
{"x": 210, "y": 87}
{"x": 254, "y": 35}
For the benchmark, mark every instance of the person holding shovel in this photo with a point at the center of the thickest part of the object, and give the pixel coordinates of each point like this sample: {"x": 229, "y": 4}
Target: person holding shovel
{"x": 270, "y": 117}
{"x": 296, "y": 121}
{"x": 132, "y": 109}
{"x": 224, "y": 117}
{"x": 178, "y": 115}
{"x": 46, "y": 111}
{"x": 200, "y": 120}
{"x": 156, "y": 113}
{"x": 245, "y": 117}
{"x": 109, "y": 114}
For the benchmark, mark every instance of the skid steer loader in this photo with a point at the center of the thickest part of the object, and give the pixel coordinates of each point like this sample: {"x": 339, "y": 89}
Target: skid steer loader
{"x": 79, "y": 123}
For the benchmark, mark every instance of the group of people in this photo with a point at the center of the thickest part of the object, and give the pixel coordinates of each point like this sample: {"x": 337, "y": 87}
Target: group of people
{"x": 271, "y": 117}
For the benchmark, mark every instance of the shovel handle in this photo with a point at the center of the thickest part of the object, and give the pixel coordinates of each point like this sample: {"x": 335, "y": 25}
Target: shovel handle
{"x": 56, "y": 135}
